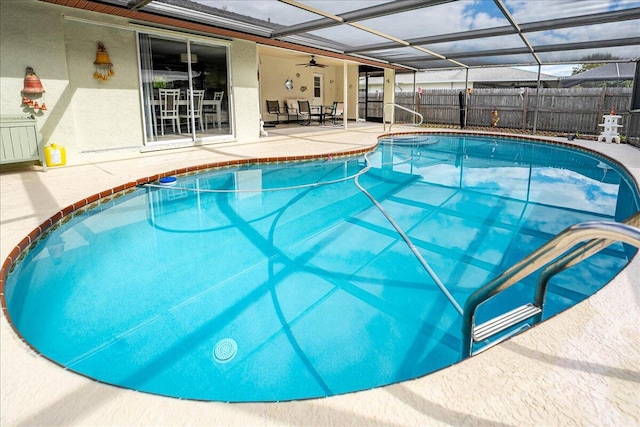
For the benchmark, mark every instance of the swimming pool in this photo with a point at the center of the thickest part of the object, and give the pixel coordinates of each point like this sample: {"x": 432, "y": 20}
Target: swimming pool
{"x": 315, "y": 299}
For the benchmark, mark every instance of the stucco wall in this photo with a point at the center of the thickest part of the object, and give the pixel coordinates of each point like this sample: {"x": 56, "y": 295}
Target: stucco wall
{"x": 107, "y": 113}
{"x": 31, "y": 35}
{"x": 245, "y": 89}
{"x": 85, "y": 114}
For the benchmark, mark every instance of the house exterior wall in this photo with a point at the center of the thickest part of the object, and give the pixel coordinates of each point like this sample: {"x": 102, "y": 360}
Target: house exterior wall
{"x": 85, "y": 114}
{"x": 22, "y": 25}
{"x": 106, "y": 114}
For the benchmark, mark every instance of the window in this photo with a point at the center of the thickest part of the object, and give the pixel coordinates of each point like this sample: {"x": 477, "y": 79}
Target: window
{"x": 317, "y": 89}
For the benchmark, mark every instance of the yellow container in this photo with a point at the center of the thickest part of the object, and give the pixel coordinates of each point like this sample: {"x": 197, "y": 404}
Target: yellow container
{"x": 55, "y": 155}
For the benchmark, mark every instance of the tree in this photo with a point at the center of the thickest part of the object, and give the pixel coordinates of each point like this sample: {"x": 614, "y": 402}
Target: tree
{"x": 581, "y": 68}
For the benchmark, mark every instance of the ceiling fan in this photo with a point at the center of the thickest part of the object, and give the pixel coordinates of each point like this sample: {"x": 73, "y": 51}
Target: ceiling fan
{"x": 313, "y": 63}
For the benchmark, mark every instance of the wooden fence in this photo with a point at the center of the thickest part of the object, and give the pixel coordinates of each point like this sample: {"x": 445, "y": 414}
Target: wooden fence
{"x": 559, "y": 110}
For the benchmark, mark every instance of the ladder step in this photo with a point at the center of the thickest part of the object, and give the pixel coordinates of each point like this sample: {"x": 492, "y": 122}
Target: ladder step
{"x": 498, "y": 324}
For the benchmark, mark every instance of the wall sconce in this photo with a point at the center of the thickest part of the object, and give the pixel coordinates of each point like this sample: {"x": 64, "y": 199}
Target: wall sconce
{"x": 104, "y": 67}
{"x": 331, "y": 82}
{"x": 184, "y": 57}
{"x": 288, "y": 84}
{"x": 32, "y": 90}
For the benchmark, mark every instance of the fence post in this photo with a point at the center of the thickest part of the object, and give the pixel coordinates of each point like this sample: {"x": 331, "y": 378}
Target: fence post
{"x": 525, "y": 108}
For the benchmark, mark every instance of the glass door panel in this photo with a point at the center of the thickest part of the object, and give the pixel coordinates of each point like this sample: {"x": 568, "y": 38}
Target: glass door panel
{"x": 209, "y": 73}
{"x": 184, "y": 89}
{"x": 163, "y": 76}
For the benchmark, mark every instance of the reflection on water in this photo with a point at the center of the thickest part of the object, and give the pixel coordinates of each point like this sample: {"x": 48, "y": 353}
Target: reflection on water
{"x": 295, "y": 262}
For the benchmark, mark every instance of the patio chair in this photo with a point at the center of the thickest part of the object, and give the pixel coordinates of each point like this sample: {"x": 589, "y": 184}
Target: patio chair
{"x": 306, "y": 113}
{"x": 198, "y": 96}
{"x": 169, "y": 99}
{"x": 335, "y": 111}
{"x": 273, "y": 107}
{"x": 291, "y": 105}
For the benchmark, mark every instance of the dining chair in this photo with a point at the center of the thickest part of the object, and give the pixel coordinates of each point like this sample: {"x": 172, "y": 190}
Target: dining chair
{"x": 198, "y": 97}
{"x": 217, "y": 106}
{"x": 169, "y": 103}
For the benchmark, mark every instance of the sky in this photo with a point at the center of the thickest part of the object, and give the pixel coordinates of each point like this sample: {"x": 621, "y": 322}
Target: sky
{"x": 554, "y": 70}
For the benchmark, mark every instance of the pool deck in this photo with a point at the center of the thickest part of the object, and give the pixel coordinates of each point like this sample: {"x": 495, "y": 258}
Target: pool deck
{"x": 581, "y": 367}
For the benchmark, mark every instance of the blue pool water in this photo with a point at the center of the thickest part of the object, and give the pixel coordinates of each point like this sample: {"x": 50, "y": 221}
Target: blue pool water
{"x": 282, "y": 282}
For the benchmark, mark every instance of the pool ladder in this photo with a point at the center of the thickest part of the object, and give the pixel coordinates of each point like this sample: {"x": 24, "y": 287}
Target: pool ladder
{"x": 552, "y": 258}
{"x": 384, "y": 121}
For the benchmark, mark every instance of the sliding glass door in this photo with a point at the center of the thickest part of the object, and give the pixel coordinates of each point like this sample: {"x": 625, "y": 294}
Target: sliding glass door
{"x": 185, "y": 89}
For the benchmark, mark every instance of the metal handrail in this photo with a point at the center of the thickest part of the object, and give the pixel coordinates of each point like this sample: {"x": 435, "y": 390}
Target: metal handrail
{"x": 384, "y": 122}
{"x": 599, "y": 236}
{"x": 411, "y": 246}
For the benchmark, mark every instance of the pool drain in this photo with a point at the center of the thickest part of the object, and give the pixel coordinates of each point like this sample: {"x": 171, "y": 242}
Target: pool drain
{"x": 225, "y": 350}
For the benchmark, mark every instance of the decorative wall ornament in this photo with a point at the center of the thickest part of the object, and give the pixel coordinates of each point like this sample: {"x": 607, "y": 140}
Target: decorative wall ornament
{"x": 104, "y": 67}
{"x": 288, "y": 84}
{"x": 494, "y": 118}
{"x": 33, "y": 90}
{"x": 303, "y": 88}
